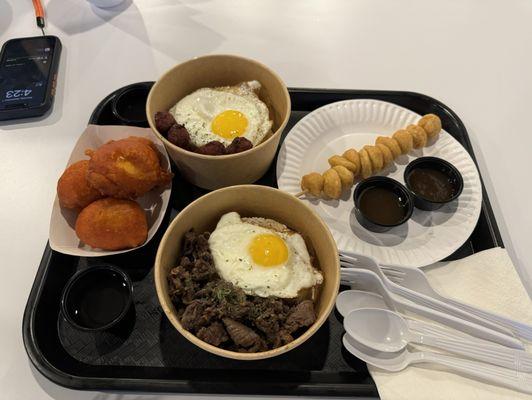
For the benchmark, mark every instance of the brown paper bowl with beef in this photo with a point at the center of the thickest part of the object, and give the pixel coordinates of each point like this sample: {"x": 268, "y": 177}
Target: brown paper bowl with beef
{"x": 251, "y": 201}
{"x": 213, "y": 172}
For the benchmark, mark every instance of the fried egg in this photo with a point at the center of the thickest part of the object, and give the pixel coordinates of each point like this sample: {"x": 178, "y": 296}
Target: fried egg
{"x": 262, "y": 261}
{"x": 224, "y": 113}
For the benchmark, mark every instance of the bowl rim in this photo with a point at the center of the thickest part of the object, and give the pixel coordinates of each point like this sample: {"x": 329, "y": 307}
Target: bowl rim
{"x": 224, "y": 156}
{"x": 233, "y": 354}
{"x": 437, "y": 160}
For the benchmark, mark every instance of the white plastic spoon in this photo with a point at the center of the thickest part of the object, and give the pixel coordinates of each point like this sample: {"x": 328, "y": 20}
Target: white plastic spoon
{"x": 350, "y": 260}
{"x": 349, "y": 300}
{"x": 387, "y": 331}
{"x": 398, "y": 361}
{"x": 366, "y": 279}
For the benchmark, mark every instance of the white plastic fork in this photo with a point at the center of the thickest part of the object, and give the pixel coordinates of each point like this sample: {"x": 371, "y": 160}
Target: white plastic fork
{"x": 416, "y": 279}
{"x": 353, "y": 260}
{"x": 478, "y": 349}
{"x": 368, "y": 280}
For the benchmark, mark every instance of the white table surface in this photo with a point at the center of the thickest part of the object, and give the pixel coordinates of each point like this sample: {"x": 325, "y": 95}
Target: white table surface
{"x": 475, "y": 56}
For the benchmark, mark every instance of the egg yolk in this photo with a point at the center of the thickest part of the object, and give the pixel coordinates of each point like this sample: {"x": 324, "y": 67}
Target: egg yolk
{"x": 268, "y": 250}
{"x": 127, "y": 166}
{"x": 229, "y": 124}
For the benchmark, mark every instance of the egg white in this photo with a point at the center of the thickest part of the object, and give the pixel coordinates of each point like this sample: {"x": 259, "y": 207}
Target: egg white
{"x": 229, "y": 247}
{"x": 197, "y": 111}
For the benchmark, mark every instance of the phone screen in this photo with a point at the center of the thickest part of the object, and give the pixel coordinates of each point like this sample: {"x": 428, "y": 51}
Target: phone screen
{"x": 24, "y": 72}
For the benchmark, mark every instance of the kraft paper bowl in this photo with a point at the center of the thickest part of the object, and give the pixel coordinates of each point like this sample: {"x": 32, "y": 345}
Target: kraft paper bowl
{"x": 213, "y": 172}
{"x": 260, "y": 201}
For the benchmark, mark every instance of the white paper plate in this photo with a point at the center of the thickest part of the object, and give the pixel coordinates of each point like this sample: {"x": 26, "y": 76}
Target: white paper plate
{"x": 428, "y": 236}
{"x": 63, "y": 236}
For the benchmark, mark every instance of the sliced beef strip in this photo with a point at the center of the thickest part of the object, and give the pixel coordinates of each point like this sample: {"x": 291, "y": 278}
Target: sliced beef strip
{"x": 178, "y": 273}
{"x": 195, "y": 243}
{"x": 243, "y": 336}
{"x": 206, "y": 256}
{"x": 202, "y": 243}
{"x": 203, "y": 271}
{"x": 232, "y": 300}
{"x": 302, "y": 315}
{"x": 197, "y": 314}
{"x": 188, "y": 243}
{"x": 177, "y": 282}
{"x": 235, "y": 311}
{"x": 214, "y": 334}
{"x": 268, "y": 324}
{"x": 268, "y": 314}
{"x": 256, "y": 348}
{"x": 206, "y": 291}
{"x": 186, "y": 263}
{"x": 267, "y": 307}
{"x": 281, "y": 338}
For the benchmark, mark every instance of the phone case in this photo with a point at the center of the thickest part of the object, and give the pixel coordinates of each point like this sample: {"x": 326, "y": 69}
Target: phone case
{"x": 51, "y": 85}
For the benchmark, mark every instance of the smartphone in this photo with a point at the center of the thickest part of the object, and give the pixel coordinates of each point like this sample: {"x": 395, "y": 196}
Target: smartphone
{"x": 28, "y": 76}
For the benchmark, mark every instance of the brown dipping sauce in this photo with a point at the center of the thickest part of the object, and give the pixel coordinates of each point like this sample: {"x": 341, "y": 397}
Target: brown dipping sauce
{"x": 431, "y": 184}
{"x": 382, "y": 206}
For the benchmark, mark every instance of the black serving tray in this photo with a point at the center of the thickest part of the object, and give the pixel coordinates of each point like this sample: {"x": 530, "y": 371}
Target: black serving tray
{"x": 154, "y": 356}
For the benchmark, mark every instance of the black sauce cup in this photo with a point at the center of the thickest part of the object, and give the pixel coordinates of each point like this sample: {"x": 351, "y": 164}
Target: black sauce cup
{"x": 115, "y": 300}
{"x": 388, "y": 184}
{"x": 438, "y": 164}
{"x": 129, "y": 105}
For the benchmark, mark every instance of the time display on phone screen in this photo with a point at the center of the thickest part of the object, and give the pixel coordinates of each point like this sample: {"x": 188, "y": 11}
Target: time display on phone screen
{"x": 24, "y": 73}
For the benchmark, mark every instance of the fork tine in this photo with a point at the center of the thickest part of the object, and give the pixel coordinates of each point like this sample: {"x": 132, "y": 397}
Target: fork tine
{"x": 347, "y": 265}
{"x": 346, "y": 257}
{"x": 393, "y": 273}
{"x": 391, "y": 269}
{"x": 395, "y": 279}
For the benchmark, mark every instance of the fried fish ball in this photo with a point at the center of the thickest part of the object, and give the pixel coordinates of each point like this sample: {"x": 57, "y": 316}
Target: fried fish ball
{"x": 419, "y": 136}
{"x": 386, "y": 154}
{"x": 391, "y": 143}
{"x": 332, "y": 185}
{"x": 73, "y": 189}
{"x": 312, "y": 183}
{"x": 365, "y": 164}
{"x": 404, "y": 138}
{"x": 431, "y": 123}
{"x": 376, "y": 157}
{"x": 126, "y": 168}
{"x": 338, "y": 160}
{"x": 352, "y": 155}
{"x": 346, "y": 176}
{"x": 112, "y": 224}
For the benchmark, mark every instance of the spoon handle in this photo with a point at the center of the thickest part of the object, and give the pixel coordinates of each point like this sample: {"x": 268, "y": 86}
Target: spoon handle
{"x": 488, "y": 373}
{"x": 460, "y": 324}
{"x": 516, "y": 360}
{"x": 521, "y": 329}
